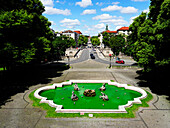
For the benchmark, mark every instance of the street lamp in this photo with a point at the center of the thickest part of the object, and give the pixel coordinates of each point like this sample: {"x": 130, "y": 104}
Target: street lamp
{"x": 110, "y": 55}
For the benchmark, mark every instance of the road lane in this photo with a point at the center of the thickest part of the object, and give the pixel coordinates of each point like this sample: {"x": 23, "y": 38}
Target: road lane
{"x": 84, "y": 56}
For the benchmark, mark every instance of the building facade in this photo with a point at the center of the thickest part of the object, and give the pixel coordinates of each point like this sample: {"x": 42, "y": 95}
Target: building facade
{"x": 124, "y": 31}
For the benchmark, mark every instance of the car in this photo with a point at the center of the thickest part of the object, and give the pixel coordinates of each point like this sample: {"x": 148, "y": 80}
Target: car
{"x": 120, "y": 61}
{"x": 92, "y": 56}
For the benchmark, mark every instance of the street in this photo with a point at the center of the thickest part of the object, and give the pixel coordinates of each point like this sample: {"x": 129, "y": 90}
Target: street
{"x": 86, "y": 55}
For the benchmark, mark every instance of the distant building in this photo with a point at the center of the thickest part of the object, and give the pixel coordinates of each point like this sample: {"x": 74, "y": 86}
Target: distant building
{"x": 124, "y": 31}
{"x": 100, "y": 37}
{"x": 77, "y": 34}
{"x": 69, "y": 33}
{"x": 74, "y": 34}
{"x": 58, "y": 34}
{"x": 110, "y": 32}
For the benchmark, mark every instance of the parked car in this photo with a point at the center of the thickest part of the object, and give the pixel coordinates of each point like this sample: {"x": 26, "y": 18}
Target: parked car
{"x": 92, "y": 56}
{"x": 120, "y": 61}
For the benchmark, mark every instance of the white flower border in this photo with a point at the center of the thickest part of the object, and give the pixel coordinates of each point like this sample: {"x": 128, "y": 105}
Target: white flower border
{"x": 70, "y": 82}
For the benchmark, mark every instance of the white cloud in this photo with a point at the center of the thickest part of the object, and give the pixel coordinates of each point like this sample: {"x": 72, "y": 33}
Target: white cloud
{"x": 53, "y": 23}
{"x": 61, "y": 2}
{"x": 51, "y": 11}
{"x": 89, "y": 11}
{"x": 129, "y": 10}
{"x": 117, "y": 27}
{"x": 139, "y": 0}
{"x": 94, "y": 29}
{"x": 103, "y": 16}
{"x": 146, "y": 10}
{"x": 106, "y": 3}
{"x": 120, "y": 8}
{"x": 69, "y": 23}
{"x": 112, "y": 8}
{"x": 85, "y": 26}
{"x": 115, "y": 2}
{"x": 132, "y": 19}
{"x": 84, "y": 3}
{"x": 99, "y": 3}
{"x": 108, "y": 19}
{"x": 47, "y": 2}
{"x": 99, "y": 26}
{"x": 114, "y": 21}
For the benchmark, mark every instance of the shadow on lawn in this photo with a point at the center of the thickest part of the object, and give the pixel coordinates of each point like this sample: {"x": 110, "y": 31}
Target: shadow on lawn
{"x": 20, "y": 79}
{"x": 159, "y": 83}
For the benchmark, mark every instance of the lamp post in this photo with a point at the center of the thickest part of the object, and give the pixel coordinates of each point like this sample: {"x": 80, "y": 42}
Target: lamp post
{"x": 110, "y": 55}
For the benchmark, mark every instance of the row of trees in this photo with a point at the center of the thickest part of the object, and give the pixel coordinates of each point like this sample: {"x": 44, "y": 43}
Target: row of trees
{"x": 115, "y": 42}
{"x": 149, "y": 41}
{"x": 25, "y": 35}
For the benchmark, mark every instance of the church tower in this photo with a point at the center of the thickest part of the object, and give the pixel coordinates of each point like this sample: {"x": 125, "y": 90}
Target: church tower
{"x": 107, "y": 27}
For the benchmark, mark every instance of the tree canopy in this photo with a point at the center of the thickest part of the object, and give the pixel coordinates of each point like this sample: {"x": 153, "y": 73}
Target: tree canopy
{"x": 23, "y": 31}
{"x": 95, "y": 40}
{"x": 149, "y": 41}
{"x": 117, "y": 43}
{"x": 82, "y": 40}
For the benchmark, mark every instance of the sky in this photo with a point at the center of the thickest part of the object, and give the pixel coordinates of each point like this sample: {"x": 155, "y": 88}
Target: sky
{"x": 91, "y": 16}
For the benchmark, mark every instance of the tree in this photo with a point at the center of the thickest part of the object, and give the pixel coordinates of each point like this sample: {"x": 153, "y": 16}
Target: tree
{"x": 161, "y": 32}
{"x": 129, "y": 49}
{"x": 42, "y": 46}
{"x": 59, "y": 46}
{"x": 106, "y": 38}
{"x": 21, "y": 25}
{"x": 82, "y": 40}
{"x": 117, "y": 43}
{"x": 154, "y": 8}
{"x": 95, "y": 40}
{"x": 149, "y": 40}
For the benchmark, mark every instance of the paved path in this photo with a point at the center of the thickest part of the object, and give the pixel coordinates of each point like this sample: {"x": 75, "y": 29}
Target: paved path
{"x": 19, "y": 113}
{"x": 83, "y": 57}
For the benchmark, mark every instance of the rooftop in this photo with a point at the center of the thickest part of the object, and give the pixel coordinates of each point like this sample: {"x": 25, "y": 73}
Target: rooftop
{"x": 78, "y": 32}
{"x": 108, "y": 31}
{"x": 68, "y": 31}
{"x": 123, "y": 28}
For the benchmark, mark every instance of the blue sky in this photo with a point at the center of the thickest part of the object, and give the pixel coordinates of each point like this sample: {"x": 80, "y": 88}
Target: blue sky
{"x": 91, "y": 16}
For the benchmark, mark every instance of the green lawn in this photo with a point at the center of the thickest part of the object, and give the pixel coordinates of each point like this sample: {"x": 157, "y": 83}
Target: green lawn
{"x": 117, "y": 96}
{"x": 51, "y": 111}
{"x": 2, "y": 69}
